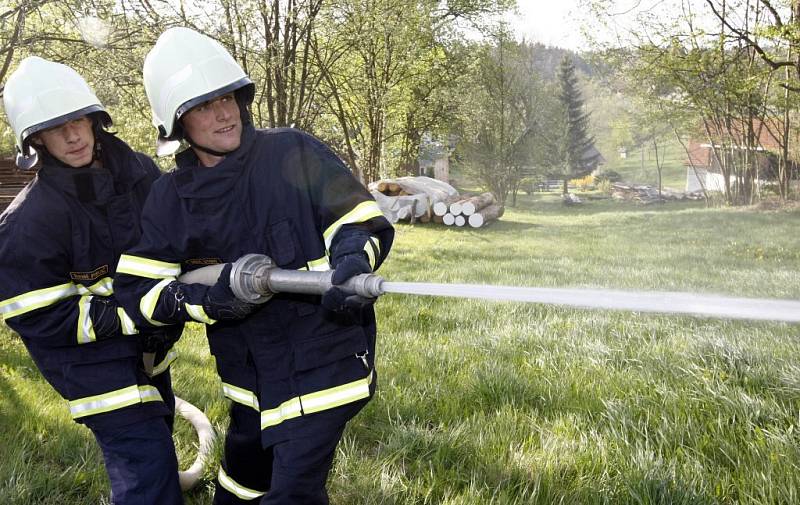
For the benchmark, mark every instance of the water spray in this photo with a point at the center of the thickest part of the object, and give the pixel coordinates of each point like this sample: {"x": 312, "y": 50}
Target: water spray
{"x": 255, "y": 278}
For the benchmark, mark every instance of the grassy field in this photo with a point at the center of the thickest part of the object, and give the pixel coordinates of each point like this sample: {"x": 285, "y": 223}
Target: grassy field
{"x": 501, "y": 403}
{"x": 640, "y": 165}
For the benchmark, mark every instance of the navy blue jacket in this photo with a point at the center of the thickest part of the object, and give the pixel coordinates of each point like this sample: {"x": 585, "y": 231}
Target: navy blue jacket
{"x": 285, "y": 194}
{"x": 60, "y": 241}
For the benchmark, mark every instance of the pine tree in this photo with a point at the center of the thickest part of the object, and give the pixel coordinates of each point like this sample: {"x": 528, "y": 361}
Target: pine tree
{"x": 578, "y": 159}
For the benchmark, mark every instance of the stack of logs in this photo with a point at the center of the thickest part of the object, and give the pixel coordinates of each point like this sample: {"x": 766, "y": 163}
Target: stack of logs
{"x": 477, "y": 211}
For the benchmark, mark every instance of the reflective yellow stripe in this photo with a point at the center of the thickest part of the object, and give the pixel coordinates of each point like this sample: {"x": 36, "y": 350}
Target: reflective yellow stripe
{"x": 36, "y": 299}
{"x": 320, "y": 265}
{"x": 242, "y": 492}
{"x": 147, "y": 305}
{"x": 171, "y": 356}
{"x": 199, "y": 314}
{"x": 39, "y": 298}
{"x": 112, "y": 401}
{"x": 317, "y": 402}
{"x": 103, "y": 287}
{"x": 364, "y": 211}
{"x": 370, "y": 255}
{"x": 335, "y": 397}
{"x": 125, "y": 321}
{"x": 85, "y": 327}
{"x": 145, "y": 267}
{"x": 283, "y": 412}
{"x": 240, "y": 395}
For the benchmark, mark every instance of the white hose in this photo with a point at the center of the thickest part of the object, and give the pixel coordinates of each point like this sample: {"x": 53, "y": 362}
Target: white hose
{"x": 205, "y": 436}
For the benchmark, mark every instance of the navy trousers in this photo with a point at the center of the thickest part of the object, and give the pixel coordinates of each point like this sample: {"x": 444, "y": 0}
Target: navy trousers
{"x": 291, "y": 472}
{"x": 141, "y": 463}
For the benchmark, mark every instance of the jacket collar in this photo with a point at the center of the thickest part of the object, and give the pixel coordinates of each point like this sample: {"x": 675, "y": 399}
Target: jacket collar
{"x": 120, "y": 172}
{"x": 192, "y": 180}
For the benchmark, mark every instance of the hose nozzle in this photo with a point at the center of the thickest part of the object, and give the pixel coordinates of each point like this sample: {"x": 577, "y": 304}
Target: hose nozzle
{"x": 255, "y": 279}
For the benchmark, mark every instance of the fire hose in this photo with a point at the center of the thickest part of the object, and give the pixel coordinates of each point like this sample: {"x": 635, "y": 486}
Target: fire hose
{"x": 255, "y": 278}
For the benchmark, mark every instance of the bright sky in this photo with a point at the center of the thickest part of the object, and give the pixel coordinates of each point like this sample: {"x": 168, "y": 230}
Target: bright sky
{"x": 548, "y": 22}
{"x": 559, "y": 22}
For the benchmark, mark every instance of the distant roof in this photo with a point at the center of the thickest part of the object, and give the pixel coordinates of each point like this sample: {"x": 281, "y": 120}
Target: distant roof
{"x": 767, "y": 133}
{"x": 592, "y": 153}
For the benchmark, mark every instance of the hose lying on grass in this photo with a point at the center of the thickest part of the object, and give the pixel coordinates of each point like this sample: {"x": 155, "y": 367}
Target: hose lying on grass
{"x": 205, "y": 435}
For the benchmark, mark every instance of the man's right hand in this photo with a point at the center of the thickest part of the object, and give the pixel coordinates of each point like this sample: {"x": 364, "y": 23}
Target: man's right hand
{"x": 221, "y": 304}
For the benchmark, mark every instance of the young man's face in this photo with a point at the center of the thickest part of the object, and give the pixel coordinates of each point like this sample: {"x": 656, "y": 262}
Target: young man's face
{"x": 215, "y": 124}
{"x": 72, "y": 142}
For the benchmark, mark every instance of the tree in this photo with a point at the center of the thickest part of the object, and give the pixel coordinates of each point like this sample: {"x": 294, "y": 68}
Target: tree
{"x": 576, "y": 141}
{"x": 499, "y": 132}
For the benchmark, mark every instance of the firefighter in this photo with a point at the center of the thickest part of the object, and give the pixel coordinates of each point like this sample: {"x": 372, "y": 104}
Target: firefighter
{"x": 60, "y": 240}
{"x": 298, "y": 367}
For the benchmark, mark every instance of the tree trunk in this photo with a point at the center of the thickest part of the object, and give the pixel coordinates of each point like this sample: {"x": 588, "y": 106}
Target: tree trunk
{"x": 475, "y": 203}
{"x": 486, "y": 215}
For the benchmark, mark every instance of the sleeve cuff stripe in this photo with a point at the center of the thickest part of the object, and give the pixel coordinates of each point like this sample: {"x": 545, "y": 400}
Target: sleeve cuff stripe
{"x": 144, "y": 267}
{"x": 362, "y": 212}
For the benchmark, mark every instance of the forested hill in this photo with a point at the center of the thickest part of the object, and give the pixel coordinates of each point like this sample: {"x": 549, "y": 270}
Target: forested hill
{"x": 547, "y": 58}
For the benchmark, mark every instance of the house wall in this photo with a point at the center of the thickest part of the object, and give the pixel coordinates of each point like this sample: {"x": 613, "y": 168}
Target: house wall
{"x": 441, "y": 169}
{"x": 712, "y": 181}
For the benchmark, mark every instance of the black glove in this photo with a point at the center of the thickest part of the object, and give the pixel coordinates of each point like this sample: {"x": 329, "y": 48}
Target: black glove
{"x": 105, "y": 320}
{"x": 349, "y": 266}
{"x": 159, "y": 339}
{"x": 220, "y": 303}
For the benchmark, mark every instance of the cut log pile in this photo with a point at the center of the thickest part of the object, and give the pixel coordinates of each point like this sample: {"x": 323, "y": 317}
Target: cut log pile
{"x": 426, "y": 199}
{"x": 477, "y": 211}
{"x": 647, "y": 195}
{"x": 12, "y": 180}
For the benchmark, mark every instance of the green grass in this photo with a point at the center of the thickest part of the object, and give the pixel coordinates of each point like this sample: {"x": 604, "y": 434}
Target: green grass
{"x": 503, "y": 403}
{"x": 635, "y": 170}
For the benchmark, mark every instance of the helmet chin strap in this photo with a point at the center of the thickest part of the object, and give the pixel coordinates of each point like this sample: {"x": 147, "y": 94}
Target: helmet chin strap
{"x": 207, "y": 150}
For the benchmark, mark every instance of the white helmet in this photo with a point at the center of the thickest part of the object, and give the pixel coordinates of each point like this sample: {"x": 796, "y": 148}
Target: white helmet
{"x": 41, "y": 94}
{"x": 184, "y": 69}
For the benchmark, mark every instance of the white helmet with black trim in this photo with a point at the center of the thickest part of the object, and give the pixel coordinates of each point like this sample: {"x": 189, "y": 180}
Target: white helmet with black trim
{"x": 184, "y": 69}
{"x": 41, "y": 94}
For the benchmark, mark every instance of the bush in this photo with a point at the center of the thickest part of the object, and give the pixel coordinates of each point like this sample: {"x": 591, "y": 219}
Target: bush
{"x": 528, "y": 185}
{"x": 608, "y": 175}
{"x": 584, "y": 182}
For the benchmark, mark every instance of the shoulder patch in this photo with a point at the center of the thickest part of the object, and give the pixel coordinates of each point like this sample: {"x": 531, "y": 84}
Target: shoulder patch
{"x": 89, "y": 276}
{"x": 203, "y": 261}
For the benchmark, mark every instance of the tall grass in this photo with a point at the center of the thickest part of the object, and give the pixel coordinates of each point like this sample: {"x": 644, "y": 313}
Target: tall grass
{"x": 504, "y": 403}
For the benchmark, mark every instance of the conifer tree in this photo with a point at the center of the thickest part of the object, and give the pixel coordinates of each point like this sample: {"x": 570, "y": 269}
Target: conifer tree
{"x": 577, "y": 153}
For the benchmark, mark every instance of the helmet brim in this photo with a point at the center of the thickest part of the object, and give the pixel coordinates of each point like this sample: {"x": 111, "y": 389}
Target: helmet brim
{"x": 95, "y": 109}
{"x": 244, "y": 84}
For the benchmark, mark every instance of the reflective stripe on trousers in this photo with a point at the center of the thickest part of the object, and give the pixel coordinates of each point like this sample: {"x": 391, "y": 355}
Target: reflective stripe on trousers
{"x": 243, "y": 492}
{"x": 114, "y": 400}
{"x": 317, "y": 401}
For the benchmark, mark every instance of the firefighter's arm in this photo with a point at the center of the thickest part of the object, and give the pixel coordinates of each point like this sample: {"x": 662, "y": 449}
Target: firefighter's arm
{"x": 42, "y": 303}
{"x": 348, "y": 216}
{"x": 146, "y": 282}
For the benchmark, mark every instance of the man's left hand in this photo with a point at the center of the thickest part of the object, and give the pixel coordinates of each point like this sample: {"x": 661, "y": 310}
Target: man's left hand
{"x": 337, "y": 300}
